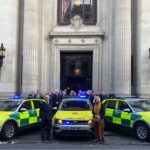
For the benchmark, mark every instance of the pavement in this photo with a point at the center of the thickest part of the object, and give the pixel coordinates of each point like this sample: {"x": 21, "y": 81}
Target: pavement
{"x": 114, "y": 140}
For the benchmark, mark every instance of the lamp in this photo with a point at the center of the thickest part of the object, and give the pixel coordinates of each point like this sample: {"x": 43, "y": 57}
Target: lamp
{"x": 77, "y": 69}
{"x": 2, "y": 54}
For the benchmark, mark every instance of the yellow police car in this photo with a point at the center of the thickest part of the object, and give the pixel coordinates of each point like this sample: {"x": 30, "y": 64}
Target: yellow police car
{"x": 133, "y": 113}
{"x": 17, "y": 114}
{"x": 73, "y": 118}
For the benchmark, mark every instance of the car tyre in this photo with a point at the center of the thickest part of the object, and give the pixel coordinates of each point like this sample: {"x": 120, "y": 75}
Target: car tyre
{"x": 9, "y": 130}
{"x": 142, "y": 131}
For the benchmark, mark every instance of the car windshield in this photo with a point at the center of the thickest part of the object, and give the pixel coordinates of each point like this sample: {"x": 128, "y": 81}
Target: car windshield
{"x": 75, "y": 105}
{"x": 8, "y": 105}
{"x": 141, "y": 105}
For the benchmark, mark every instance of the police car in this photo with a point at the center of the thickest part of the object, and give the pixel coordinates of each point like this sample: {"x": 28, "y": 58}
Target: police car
{"x": 133, "y": 113}
{"x": 73, "y": 118}
{"x": 17, "y": 114}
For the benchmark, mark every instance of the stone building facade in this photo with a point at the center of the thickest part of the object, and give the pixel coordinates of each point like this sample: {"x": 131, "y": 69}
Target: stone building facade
{"x": 118, "y": 43}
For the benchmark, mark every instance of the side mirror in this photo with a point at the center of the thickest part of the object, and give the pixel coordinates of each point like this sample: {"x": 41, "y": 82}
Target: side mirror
{"x": 127, "y": 110}
{"x": 23, "y": 109}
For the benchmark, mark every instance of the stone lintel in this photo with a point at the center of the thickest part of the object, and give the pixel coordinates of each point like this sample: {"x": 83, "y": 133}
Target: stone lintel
{"x": 74, "y": 34}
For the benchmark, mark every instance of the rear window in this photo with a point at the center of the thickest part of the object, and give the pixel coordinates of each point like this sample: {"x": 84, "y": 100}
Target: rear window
{"x": 37, "y": 104}
{"x": 111, "y": 104}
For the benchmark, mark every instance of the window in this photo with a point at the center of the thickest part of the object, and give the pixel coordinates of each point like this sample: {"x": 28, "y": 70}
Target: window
{"x": 27, "y": 105}
{"x": 9, "y": 105}
{"x": 140, "y": 105}
{"x": 37, "y": 104}
{"x": 86, "y": 9}
{"x": 122, "y": 105}
{"x": 72, "y": 105}
{"x": 111, "y": 104}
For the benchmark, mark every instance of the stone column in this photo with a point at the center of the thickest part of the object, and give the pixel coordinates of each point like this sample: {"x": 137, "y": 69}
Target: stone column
{"x": 105, "y": 9}
{"x": 142, "y": 45}
{"x": 47, "y": 11}
{"x": 30, "y": 45}
{"x": 9, "y": 16}
{"x": 121, "y": 51}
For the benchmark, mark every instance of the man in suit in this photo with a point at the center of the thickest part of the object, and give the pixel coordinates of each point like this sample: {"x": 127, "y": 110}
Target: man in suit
{"x": 46, "y": 118}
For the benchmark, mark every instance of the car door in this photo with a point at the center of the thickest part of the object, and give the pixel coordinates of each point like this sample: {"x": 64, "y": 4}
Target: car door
{"x": 123, "y": 114}
{"x": 109, "y": 111}
{"x": 37, "y": 105}
{"x": 27, "y": 114}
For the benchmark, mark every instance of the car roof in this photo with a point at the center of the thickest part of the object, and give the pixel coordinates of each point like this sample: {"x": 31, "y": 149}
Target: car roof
{"x": 135, "y": 99}
{"x": 128, "y": 99}
{"x": 12, "y": 99}
{"x": 19, "y": 99}
{"x": 75, "y": 99}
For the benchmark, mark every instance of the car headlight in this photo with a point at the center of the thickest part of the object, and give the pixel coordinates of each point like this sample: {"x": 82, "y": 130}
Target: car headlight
{"x": 90, "y": 122}
{"x": 58, "y": 121}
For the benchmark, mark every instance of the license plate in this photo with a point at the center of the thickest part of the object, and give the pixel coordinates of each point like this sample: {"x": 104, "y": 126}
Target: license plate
{"x": 73, "y": 128}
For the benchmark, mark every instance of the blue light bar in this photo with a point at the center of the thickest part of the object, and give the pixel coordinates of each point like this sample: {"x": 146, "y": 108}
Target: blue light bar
{"x": 83, "y": 96}
{"x": 15, "y": 97}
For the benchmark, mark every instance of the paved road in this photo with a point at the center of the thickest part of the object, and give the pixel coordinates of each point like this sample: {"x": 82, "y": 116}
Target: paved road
{"x": 114, "y": 140}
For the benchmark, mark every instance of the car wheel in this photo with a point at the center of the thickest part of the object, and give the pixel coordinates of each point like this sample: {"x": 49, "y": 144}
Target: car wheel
{"x": 142, "y": 131}
{"x": 9, "y": 130}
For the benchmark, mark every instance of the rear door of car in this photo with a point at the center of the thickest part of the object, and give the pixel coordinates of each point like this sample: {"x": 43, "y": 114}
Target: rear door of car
{"x": 109, "y": 111}
{"x": 27, "y": 117}
{"x": 37, "y": 105}
{"x": 123, "y": 117}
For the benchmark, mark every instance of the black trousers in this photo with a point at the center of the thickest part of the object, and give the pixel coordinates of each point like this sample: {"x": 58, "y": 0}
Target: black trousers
{"x": 46, "y": 129}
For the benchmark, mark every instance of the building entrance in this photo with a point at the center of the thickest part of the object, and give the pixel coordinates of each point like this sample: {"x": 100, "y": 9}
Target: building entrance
{"x": 76, "y": 70}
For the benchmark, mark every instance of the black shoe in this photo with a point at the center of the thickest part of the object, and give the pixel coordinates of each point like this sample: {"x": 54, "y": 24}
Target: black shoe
{"x": 100, "y": 142}
{"x": 103, "y": 140}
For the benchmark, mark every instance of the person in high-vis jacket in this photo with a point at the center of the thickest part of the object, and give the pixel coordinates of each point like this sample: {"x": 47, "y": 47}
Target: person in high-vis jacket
{"x": 46, "y": 118}
{"x": 98, "y": 119}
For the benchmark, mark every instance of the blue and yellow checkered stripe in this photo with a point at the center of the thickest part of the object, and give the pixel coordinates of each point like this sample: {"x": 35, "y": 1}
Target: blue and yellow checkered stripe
{"x": 121, "y": 118}
{"x": 27, "y": 118}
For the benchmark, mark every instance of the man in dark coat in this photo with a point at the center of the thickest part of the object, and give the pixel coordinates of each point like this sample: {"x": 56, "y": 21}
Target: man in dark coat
{"x": 32, "y": 94}
{"x": 103, "y": 96}
{"x": 111, "y": 95}
{"x": 46, "y": 118}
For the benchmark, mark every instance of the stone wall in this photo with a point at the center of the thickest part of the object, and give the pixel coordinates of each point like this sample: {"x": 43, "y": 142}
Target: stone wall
{"x": 9, "y": 14}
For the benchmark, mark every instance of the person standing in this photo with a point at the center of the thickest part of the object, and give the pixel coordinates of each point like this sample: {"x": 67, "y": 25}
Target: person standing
{"x": 98, "y": 118}
{"x": 68, "y": 91}
{"x": 103, "y": 96}
{"x": 46, "y": 118}
{"x": 111, "y": 95}
{"x": 32, "y": 94}
{"x": 38, "y": 94}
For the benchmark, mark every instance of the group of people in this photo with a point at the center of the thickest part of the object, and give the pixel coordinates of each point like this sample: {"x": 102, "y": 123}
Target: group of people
{"x": 53, "y": 99}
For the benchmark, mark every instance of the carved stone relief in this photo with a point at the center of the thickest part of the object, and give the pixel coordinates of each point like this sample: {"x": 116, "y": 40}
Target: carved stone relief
{"x": 77, "y": 22}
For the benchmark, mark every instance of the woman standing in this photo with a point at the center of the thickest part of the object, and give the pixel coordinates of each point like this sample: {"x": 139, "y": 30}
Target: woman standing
{"x": 98, "y": 117}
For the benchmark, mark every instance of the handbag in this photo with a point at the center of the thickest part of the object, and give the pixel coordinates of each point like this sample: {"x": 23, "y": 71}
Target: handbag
{"x": 97, "y": 118}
